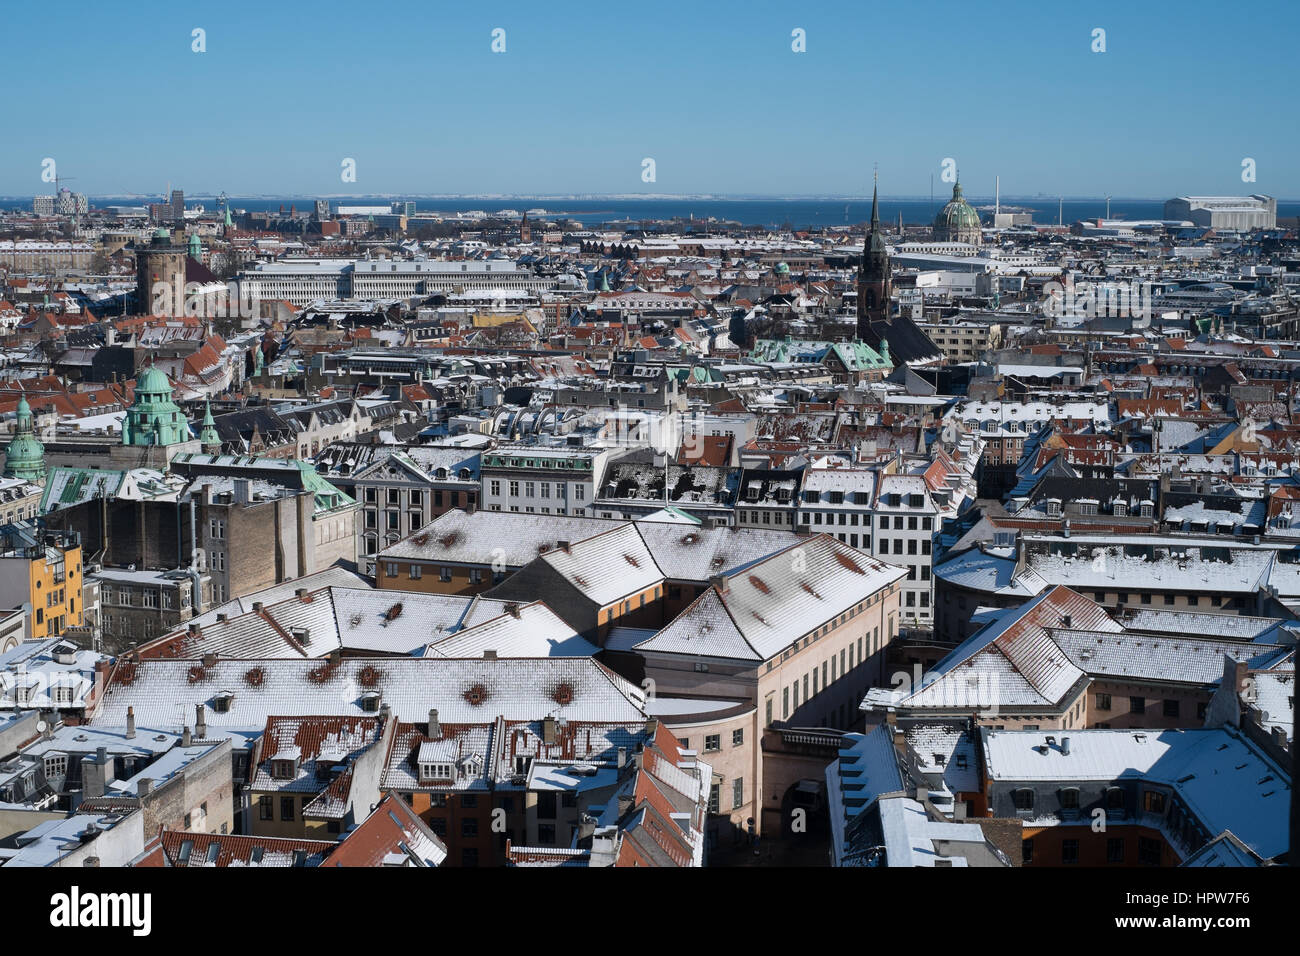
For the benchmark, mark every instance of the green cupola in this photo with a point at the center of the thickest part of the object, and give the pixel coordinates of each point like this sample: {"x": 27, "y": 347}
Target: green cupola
{"x": 25, "y": 455}
{"x": 154, "y": 419}
{"x": 208, "y": 434}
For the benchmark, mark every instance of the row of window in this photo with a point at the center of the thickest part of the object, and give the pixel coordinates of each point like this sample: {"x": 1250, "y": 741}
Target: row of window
{"x": 149, "y": 597}
{"x": 1170, "y": 707}
{"x": 1116, "y": 848}
{"x": 713, "y": 742}
{"x": 531, "y": 489}
{"x": 737, "y": 795}
{"x": 828, "y": 673}
{"x": 850, "y": 519}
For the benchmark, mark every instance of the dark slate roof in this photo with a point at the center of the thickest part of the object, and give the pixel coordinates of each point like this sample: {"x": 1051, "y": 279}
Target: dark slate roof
{"x": 907, "y": 343}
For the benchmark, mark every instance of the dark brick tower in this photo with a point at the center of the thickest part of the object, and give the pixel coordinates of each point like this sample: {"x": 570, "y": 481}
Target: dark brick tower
{"x": 873, "y": 273}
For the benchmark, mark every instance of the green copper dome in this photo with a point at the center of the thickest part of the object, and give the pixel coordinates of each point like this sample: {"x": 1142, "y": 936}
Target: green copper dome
{"x": 957, "y": 220}
{"x": 154, "y": 419}
{"x": 153, "y": 380}
{"x": 25, "y": 455}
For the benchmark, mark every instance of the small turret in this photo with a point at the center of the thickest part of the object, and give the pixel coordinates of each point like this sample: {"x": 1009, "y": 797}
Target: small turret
{"x": 25, "y": 455}
{"x": 208, "y": 434}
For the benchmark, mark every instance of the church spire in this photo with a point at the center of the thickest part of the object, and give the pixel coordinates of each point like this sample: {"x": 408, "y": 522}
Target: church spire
{"x": 208, "y": 433}
{"x": 875, "y": 202}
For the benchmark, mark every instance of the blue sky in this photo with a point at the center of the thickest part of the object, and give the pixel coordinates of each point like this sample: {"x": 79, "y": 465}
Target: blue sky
{"x": 710, "y": 90}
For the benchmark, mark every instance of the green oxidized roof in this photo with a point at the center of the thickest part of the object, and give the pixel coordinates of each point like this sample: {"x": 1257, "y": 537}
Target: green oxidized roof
{"x": 957, "y": 213}
{"x": 328, "y": 497}
{"x": 25, "y": 455}
{"x": 153, "y": 380}
{"x": 153, "y": 418}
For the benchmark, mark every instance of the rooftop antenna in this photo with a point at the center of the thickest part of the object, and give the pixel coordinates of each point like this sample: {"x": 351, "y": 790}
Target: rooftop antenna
{"x": 1107, "y": 207}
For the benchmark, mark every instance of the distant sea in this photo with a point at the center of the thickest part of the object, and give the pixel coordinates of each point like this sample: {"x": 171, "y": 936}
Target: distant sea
{"x": 799, "y": 213}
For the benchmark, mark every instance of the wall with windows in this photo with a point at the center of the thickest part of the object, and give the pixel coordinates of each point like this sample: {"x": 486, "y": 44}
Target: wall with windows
{"x": 728, "y": 744}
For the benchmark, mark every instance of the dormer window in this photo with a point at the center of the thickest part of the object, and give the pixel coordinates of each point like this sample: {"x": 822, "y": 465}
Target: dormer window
{"x": 221, "y": 703}
{"x": 370, "y": 702}
{"x": 1053, "y": 506}
{"x": 431, "y": 772}
{"x": 1121, "y": 508}
{"x": 284, "y": 769}
{"x": 1148, "y": 509}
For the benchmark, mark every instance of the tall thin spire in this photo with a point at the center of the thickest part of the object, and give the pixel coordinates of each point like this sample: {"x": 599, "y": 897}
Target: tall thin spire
{"x": 875, "y": 203}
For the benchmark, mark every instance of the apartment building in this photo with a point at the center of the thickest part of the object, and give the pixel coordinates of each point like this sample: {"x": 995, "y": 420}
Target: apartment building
{"x": 42, "y": 569}
{"x": 558, "y": 480}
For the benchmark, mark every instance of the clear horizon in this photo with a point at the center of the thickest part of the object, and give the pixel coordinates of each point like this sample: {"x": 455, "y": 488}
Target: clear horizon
{"x": 276, "y": 103}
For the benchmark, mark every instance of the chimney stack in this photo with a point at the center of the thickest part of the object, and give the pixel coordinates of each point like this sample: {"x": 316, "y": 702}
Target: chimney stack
{"x": 1065, "y": 746}
{"x": 143, "y": 787}
{"x": 130, "y": 723}
{"x": 622, "y": 757}
{"x": 549, "y": 731}
{"x": 435, "y": 728}
{"x": 186, "y": 739}
{"x": 200, "y": 722}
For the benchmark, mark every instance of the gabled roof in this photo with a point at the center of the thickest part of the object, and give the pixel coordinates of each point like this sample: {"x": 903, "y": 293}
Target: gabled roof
{"x": 768, "y": 605}
{"x": 1017, "y": 649}
{"x": 393, "y": 835}
{"x": 190, "y": 849}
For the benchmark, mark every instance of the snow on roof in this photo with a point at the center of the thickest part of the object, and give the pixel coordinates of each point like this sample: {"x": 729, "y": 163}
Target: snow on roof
{"x": 1236, "y": 627}
{"x": 164, "y": 695}
{"x": 1013, "y": 658}
{"x": 773, "y": 602}
{"x": 1225, "y": 781}
{"x": 532, "y": 630}
{"x": 608, "y": 566}
{"x": 1180, "y": 658}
